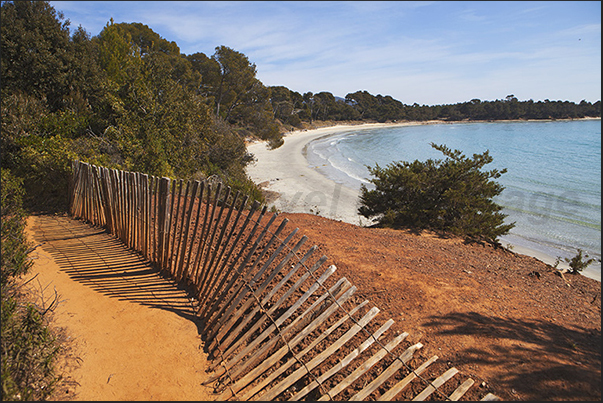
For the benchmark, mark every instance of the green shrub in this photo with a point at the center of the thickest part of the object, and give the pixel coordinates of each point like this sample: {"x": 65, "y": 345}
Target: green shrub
{"x": 447, "y": 196}
{"x": 29, "y": 350}
{"x": 28, "y": 347}
{"x": 14, "y": 242}
{"x": 579, "y": 262}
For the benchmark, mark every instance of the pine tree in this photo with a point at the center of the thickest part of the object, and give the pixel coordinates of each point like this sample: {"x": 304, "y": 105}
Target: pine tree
{"x": 447, "y": 196}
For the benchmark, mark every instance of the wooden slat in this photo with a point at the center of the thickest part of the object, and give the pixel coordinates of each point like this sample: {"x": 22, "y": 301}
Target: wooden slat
{"x": 343, "y": 363}
{"x": 432, "y": 387}
{"x": 169, "y": 220}
{"x": 107, "y": 199}
{"x": 136, "y": 206}
{"x": 95, "y": 197}
{"x": 345, "y": 292}
{"x": 124, "y": 206}
{"x": 153, "y": 190}
{"x": 187, "y": 270}
{"x": 176, "y": 207}
{"x": 71, "y": 186}
{"x": 363, "y": 368}
{"x": 123, "y": 181}
{"x": 132, "y": 207}
{"x": 140, "y": 210}
{"x": 399, "y": 387}
{"x": 77, "y": 191}
{"x": 186, "y": 233}
{"x": 163, "y": 212}
{"x": 183, "y": 231}
{"x": 300, "y": 372}
{"x": 155, "y": 227}
{"x": 146, "y": 215}
{"x": 128, "y": 207}
{"x": 111, "y": 188}
{"x": 84, "y": 195}
{"x": 461, "y": 390}
{"x": 137, "y": 211}
{"x": 119, "y": 205}
{"x": 132, "y": 196}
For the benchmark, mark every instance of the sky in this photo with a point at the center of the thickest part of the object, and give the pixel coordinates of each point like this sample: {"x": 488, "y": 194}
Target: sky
{"x": 424, "y": 52}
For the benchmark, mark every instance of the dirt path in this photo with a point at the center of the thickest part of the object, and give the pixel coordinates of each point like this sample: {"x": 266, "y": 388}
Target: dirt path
{"x": 134, "y": 332}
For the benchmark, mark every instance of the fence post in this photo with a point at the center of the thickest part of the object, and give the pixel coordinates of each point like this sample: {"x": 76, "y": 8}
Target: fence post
{"x": 163, "y": 218}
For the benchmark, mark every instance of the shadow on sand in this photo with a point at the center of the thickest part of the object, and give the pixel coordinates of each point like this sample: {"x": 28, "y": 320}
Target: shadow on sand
{"x": 96, "y": 259}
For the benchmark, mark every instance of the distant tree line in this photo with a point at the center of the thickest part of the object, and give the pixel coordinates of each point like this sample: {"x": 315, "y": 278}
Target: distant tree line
{"x": 292, "y": 108}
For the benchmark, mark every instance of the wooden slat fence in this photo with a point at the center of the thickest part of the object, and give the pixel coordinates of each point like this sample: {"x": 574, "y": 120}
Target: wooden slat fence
{"x": 278, "y": 324}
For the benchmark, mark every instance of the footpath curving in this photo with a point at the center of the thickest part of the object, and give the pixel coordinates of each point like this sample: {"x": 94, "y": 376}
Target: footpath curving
{"x": 131, "y": 333}
{"x": 275, "y": 323}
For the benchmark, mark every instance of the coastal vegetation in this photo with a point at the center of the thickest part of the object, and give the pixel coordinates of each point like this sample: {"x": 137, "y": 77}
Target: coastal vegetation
{"x": 363, "y": 106}
{"x": 577, "y": 263}
{"x": 29, "y": 347}
{"x": 451, "y": 195}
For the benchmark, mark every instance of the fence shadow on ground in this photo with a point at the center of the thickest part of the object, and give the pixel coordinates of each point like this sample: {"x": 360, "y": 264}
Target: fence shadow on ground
{"x": 277, "y": 324}
{"x": 98, "y": 260}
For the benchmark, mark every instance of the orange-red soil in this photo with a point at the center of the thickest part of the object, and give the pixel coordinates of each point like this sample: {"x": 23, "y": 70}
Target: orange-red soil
{"x": 510, "y": 322}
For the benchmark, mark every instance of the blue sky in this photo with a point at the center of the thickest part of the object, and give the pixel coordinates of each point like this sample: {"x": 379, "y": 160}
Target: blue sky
{"x": 428, "y": 52}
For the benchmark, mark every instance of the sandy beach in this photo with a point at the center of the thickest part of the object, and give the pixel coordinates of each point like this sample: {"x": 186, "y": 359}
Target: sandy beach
{"x": 299, "y": 188}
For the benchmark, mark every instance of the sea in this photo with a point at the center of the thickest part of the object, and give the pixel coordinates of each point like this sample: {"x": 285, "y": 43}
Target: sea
{"x": 552, "y": 187}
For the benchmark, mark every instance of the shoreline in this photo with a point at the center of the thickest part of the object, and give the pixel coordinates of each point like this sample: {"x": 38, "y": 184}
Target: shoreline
{"x": 295, "y": 187}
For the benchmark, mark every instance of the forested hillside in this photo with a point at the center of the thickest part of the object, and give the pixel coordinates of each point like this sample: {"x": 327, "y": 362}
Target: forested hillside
{"x": 128, "y": 98}
{"x": 292, "y": 108}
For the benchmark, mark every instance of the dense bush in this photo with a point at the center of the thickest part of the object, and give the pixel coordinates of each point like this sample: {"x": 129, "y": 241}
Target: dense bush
{"x": 127, "y": 99}
{"x": 29, "y": 348}
{"x": 449, "y": 196}
{"x": 14, "y": 242}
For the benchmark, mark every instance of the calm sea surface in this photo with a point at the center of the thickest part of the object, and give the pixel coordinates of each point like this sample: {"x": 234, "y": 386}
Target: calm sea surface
{"x": 552, "y": 185}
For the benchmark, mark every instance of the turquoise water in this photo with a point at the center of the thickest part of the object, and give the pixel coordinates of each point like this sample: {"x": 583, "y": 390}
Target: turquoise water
{"x": 552, "y": 185}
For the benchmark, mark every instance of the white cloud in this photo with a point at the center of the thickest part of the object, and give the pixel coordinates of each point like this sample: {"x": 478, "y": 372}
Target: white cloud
{"x": 424, "y": 52}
